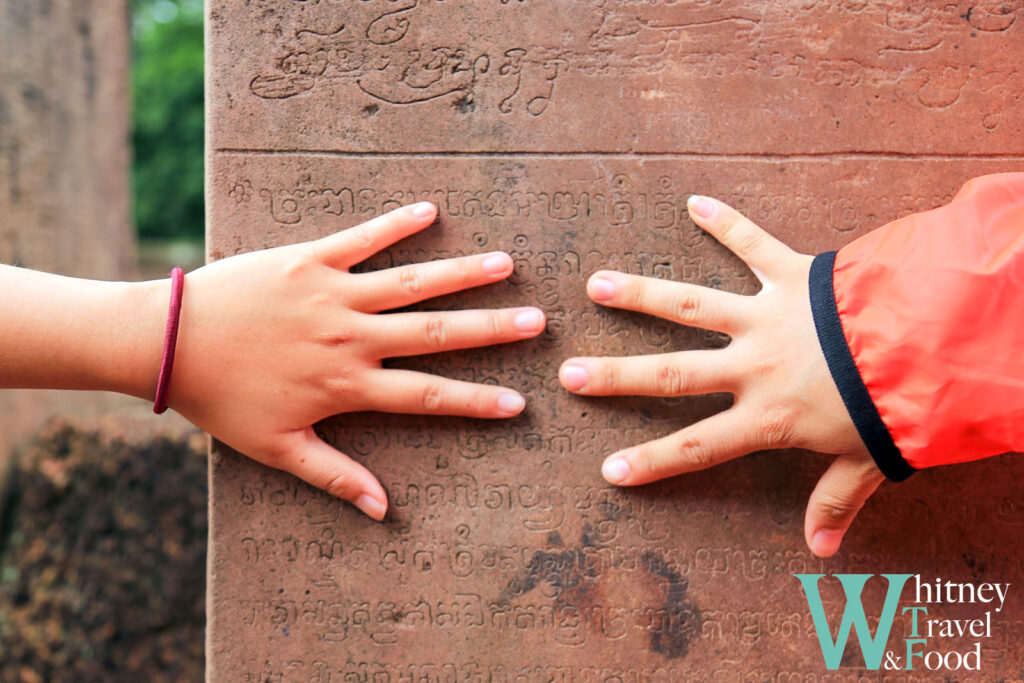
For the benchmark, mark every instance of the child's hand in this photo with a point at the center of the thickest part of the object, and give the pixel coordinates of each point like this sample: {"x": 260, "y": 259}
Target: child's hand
{"x": 273, "y": 341}
{"x": 784, "y": 394}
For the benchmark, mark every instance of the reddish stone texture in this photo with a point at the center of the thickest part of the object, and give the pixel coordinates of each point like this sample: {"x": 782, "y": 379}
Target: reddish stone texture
{"x": 570, "y": 135}
{"x": 708, "y": 76}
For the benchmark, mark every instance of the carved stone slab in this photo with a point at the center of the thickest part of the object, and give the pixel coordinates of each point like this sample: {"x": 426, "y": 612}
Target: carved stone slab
{"x": 810, "y": 76}
{"x": 570, "y": 134}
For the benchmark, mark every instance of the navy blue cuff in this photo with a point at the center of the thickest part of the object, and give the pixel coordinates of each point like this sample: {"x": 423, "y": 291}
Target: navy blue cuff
{"x": 846, "y": 375}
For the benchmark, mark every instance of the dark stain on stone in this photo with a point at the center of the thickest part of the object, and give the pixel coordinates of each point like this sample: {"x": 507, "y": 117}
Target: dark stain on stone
{"x": 609, "y": 510}
{"x": 465, "y": 104}
{"x": 587, "y": 537}
{"x": 581, "y": 584}
{"x": 978, "y": 566}
{"x": 555, "y": 539}
{"x": 683, "y": 618}
{"x": 560, "y": 569}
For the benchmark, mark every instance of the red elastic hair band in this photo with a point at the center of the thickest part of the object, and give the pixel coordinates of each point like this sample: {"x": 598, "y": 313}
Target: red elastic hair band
{"x": 170, "y": 340}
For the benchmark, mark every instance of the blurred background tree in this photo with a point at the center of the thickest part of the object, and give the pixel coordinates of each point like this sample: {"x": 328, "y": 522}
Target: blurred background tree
{"x": 167, "y": 85}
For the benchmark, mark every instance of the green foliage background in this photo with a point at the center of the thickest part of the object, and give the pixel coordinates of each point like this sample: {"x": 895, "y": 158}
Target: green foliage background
{"x": 168, "y": 111}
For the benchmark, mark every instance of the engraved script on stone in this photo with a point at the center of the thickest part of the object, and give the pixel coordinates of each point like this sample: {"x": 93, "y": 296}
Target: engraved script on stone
{"x": 570, "y": 134}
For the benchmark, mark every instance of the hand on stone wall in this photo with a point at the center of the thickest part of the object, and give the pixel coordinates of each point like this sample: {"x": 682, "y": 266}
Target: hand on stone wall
{"x": 784, "y": 394}
{"x": 271, "y": 342}
{"x": 274, "y": 341}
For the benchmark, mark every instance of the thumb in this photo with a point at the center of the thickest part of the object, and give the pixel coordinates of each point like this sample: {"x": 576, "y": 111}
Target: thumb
{"x": 840, "y": 494}
{"x": 309, "y": 458}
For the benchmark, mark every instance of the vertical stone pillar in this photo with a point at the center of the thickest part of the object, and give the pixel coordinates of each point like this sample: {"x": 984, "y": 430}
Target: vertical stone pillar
{"x": 64, "y": 134}
{"x": 64, "y": 162}
{"x": 570, "y": 133}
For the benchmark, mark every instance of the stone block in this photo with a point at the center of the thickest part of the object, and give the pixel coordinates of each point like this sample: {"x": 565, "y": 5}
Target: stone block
{"x": 570, "y": 134}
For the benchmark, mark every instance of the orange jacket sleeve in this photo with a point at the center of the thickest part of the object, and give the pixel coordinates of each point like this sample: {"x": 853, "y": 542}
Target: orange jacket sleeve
{"x": 922, "y": 325}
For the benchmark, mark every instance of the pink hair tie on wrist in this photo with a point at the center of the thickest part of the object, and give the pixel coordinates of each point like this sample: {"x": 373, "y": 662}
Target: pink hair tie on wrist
{"x": 170, "y": 340}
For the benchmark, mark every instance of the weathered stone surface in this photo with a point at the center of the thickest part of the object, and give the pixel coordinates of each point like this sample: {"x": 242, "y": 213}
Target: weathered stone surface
{"x": 711, "y": 76}
{"x": 570, "y": 135}
{"x": 64, "y": 129}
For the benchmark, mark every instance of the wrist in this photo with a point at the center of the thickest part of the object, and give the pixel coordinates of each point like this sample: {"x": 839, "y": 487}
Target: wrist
{"x": 143, "y": 307}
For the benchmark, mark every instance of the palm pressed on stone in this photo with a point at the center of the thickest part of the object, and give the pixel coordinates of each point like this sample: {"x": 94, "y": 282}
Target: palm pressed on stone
{"x": 271, "y": 342}
{"x": 774, "y": 366}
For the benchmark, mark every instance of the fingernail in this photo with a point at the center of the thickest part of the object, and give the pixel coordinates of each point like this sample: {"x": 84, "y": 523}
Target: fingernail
{"x": 701, "y": 206}
{"x": 601, "y": 289}
{"x": 826, "y": 542}
{"x": 511, "y": 403}
{"x": 615, "y": 469}
{"x": 574, "y": 377}
{"x": 496, "y": 263}
{"x": 422, "y": 210}
{"x": 528, "y": 321}
{"x": 371, "y": 506}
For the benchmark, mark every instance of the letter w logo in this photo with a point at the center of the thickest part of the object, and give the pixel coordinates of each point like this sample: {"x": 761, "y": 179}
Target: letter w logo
{"x": 853, "y": 617}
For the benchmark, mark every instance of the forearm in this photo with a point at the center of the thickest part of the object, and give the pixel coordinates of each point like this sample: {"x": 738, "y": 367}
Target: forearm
{"x": 927, "y": 311}
{"x": 66, "y": 333}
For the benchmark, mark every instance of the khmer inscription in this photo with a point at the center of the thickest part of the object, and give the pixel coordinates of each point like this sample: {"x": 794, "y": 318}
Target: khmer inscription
{"x": 570, "y": 134}
{"x": 844, "y": 65}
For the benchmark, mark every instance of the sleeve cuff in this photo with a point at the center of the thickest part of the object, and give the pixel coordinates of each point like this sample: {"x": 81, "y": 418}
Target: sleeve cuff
{"x": 847, "y": 377}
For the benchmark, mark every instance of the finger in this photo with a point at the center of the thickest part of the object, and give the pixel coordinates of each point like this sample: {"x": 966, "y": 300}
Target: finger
{"x": 763, "y": 253}
{"x": 719, "y": 438}
{"x": 413, "y": 334}
{"x": 348, "y": 247}
{"x": 418, "y": 393}
{"x": 838, "y": 497}
{"x": 397, "y": 287}
{"x": 671, "y": 374}
{"x": 703, "y": 307}
{"x": 305, "y": 455}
